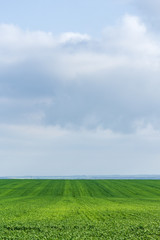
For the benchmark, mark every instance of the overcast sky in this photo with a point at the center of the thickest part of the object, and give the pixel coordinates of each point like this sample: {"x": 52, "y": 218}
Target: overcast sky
{"x": 79, "y": 87}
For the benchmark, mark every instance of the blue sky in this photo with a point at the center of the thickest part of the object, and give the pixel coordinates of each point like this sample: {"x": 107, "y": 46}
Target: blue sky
{"x": 79, "y": 87}
{"x": 59, "y": 16}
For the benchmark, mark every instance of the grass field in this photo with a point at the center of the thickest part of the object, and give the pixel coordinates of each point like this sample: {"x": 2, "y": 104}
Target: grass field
{"x": 80, "y": 209}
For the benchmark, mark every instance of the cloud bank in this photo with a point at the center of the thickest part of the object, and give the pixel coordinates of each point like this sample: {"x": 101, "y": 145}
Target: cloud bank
{"x": 64, "y": 96}
{"x": 74, "y": 80}
{"x": 47, "y": 151}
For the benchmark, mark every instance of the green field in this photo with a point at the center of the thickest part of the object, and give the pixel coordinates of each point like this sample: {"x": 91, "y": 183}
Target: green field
{"x": 79, "y": 209}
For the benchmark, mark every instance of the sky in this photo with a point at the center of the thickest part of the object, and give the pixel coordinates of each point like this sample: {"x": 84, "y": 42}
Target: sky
{"x": 79, "y": 87}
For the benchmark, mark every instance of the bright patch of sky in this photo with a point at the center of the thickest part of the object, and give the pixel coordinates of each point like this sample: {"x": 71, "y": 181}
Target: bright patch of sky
{"x": 79, "y": 87}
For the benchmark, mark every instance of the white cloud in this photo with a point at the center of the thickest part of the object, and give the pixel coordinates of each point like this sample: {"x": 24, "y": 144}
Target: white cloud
{"x": 132, "y": 39}
{"x": 125, "y": 45}
{"x": 146, "y": 131}
{"x": 71, "y": 37}
{"x": 75, "y": 80}
{"x": 14, "y": 38}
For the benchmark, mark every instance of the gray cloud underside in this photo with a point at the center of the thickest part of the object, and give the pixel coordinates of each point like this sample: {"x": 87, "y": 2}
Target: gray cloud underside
{"x": 75, "y": 81}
